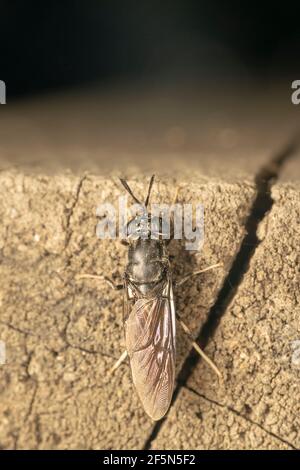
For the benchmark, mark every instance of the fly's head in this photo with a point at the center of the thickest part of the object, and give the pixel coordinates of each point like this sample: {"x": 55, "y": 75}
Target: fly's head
{"x": 139, "y": 227}
{"x": 145, "y": 226}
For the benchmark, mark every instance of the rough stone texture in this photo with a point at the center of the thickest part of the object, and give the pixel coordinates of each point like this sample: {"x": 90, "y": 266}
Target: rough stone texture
{"x": 198, "y": 424}
{"x": 62, "y": 335}
{"x": 256, "y": 346}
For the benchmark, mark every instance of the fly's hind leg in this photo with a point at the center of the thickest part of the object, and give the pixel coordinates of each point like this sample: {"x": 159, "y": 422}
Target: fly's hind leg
{"x": 108, "y": 281}
{"x": 197, "y": 347}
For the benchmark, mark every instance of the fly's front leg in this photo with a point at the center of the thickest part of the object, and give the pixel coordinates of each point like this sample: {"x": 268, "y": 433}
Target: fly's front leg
{"x": 108, "y": 281}
{"x": 197, "y": 347}
{"x": 195, "y": 273}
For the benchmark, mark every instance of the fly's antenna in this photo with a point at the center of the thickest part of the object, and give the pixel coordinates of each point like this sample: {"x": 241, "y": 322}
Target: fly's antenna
{"x": 149, "y": 190}
{"x": 126, "y": 186}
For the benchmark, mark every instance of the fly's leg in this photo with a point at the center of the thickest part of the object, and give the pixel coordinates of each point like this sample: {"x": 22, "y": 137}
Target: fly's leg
{"x": 119, "y": 362}
{"x": 195, "y": 273}
{"x": 198, "y": 349}
{"x": 108, "y": 281}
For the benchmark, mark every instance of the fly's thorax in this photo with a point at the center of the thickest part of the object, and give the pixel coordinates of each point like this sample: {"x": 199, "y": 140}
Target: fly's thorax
{"x": 146, "y": 261}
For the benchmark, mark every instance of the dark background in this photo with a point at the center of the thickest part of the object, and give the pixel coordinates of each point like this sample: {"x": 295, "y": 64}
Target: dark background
{"x": 58, "y": 44}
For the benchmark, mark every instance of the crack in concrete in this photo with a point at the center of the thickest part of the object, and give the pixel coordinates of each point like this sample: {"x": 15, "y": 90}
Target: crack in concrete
{"x": 32, "y": 401}
{"x": 17, "y": 329}
{"x": 264, "y": 180}
{"x": 240, "y": 415}
{"x": 90, "y": 351}
{"x": 67, "y": 345}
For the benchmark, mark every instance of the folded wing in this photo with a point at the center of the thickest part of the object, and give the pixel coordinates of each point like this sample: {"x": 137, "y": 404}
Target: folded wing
{"x": 150, "y": 343}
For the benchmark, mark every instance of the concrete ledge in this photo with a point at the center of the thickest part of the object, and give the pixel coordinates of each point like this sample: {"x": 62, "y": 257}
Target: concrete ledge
{"x": 62, "y": 336}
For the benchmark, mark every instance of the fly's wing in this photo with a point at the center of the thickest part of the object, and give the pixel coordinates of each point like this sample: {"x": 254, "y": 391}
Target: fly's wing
{"x": 150, "y": 343}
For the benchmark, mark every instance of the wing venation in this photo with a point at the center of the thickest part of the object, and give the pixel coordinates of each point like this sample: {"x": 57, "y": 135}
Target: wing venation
{"x": 150, "y": 343}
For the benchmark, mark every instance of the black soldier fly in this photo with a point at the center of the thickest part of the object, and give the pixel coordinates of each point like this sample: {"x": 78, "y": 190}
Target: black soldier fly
{"x": 149, "y": 311}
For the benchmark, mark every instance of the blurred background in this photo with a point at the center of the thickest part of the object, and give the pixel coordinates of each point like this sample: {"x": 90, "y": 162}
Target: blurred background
{"x": 49, "y": 45}
{"x": 173, "y": 67}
